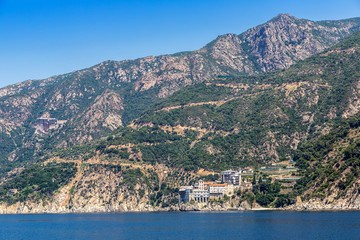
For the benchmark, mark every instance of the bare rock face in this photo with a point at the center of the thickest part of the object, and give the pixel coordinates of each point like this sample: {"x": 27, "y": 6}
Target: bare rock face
{"x": 349, "y": 201}
{"x": 228, "y": 53}
{"x": 285, "y": 40}
{"x": 105, "y": 112}
{"x": 94, "y": 101}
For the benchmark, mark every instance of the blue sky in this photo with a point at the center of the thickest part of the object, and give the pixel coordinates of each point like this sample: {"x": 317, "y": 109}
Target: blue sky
{"x": 41, "y": 38}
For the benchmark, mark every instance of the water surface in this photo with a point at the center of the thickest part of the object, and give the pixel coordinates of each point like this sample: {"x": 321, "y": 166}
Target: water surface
{"x": 189, "y": 225}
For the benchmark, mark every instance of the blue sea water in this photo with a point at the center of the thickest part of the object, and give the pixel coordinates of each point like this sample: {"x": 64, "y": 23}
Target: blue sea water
{"x": 188, "y": 225}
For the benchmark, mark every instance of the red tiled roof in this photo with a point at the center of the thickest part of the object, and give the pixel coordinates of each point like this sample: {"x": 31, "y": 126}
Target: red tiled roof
{"x": 219, "y": 185}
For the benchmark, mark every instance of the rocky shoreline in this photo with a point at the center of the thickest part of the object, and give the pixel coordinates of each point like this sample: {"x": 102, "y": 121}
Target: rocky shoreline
{"x": 24, "y": 208}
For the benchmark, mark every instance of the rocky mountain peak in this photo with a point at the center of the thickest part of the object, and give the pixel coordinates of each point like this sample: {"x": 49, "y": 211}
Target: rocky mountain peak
{"x": 228, "y": 38}
{"x": 285, "y": 39}
{"x": 283, "y": 17}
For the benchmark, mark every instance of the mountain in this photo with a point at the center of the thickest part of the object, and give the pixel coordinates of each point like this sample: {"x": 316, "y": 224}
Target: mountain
{"x": 308, "y": 112}
{"x": 92, "y": 102}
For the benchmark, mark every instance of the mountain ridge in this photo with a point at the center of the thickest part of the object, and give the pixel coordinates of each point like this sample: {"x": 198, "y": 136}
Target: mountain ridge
{"x": 135, "y": 84}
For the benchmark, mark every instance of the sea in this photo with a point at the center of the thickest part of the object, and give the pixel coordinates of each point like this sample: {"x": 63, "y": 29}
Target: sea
{"x": 184, "y": 225}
